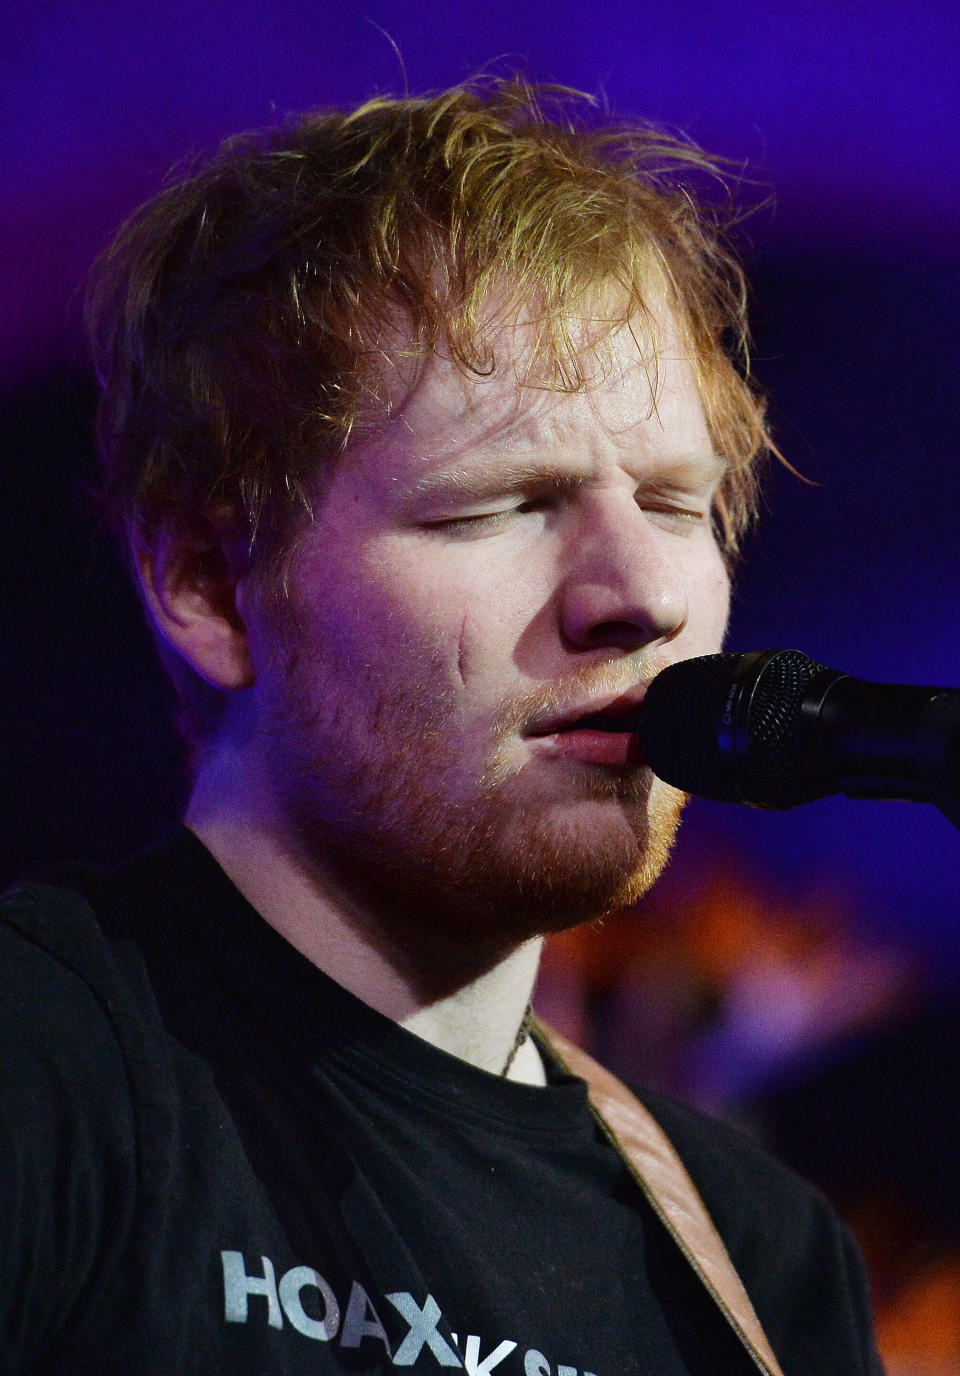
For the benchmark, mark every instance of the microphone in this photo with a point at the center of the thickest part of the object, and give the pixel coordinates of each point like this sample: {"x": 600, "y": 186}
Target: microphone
{"x": 773, "y": 729}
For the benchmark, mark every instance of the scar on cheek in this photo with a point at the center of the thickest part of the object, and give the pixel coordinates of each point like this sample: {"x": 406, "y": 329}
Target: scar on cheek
{"x": 460, "y": 651}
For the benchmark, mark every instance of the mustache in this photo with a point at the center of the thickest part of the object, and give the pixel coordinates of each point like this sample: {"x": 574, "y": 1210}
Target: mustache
{"x": 605, "y": 679}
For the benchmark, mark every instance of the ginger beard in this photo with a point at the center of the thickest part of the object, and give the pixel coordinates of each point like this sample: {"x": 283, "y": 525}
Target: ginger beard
{"x": 376, "y": 786}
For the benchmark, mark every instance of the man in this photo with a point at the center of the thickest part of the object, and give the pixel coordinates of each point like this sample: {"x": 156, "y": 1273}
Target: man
{"x": 420, "y": 428}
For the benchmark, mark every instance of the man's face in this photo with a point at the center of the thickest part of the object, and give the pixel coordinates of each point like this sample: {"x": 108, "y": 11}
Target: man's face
{"x": 491, "y": 567}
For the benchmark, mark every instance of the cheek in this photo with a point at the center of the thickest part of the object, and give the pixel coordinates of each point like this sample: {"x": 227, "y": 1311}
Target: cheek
{"x": 488, "y": 635}
{"x": 406, "y": 622}
{"x": 710, "y": 600}
{"x": 356, "y": 601}
{"x": 403, "y": 610}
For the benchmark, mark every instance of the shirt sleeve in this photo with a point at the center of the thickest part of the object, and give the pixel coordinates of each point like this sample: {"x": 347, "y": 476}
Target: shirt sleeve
{"x": 67, "y": 1150}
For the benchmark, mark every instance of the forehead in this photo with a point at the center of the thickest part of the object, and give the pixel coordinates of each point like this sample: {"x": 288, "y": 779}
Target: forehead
{"x": 639, "y": 406}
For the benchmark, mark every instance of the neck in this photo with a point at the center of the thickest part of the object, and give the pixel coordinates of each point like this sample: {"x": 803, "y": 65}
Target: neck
{"x": 473, "y": 1014}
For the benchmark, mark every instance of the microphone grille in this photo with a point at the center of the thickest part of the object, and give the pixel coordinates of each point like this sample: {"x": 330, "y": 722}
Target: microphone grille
{"x": 687, "y": 742}
{"x": 771, "y": 774}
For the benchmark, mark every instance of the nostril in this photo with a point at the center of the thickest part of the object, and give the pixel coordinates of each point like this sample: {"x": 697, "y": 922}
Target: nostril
{"x": 622, "y": 634}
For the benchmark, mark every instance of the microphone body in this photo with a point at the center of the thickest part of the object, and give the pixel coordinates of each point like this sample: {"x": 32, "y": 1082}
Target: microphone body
{"x": 774, "y": 728}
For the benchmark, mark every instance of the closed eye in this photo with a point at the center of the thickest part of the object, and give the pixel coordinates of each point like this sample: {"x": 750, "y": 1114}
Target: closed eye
{"x": 679, "y": 518}
{"x": 475, "y": 524}
{"x": 681, "y": 508}
{"x": 482, "y": 522}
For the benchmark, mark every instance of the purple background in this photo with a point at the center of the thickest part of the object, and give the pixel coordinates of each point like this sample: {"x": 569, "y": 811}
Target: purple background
{"x": 847, "y": 113}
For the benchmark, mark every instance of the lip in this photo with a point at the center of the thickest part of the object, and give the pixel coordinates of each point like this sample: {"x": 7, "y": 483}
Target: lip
{"x": 589, "y": 746}
{"x": 611, "y": 706}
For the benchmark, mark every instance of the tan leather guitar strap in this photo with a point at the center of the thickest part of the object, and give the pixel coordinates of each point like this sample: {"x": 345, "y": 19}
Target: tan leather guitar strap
{"x": 662, "y": 1176}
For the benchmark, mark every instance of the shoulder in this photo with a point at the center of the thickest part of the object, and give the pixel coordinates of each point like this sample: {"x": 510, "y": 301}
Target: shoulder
{"x": 63, "y": 1001}
{"x": 59, "y": 967}
{"x": 74, "y": 985}
{"x": 68, "y": 1125}
{"x": 797, "y": 1259}
{"x": 54, "y": 962}
{"x": 95, "y": 922}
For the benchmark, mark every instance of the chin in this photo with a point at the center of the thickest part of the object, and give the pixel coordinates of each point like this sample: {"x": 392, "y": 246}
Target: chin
{"x": 603, "y": 864}
{"x": 551, "y": 868}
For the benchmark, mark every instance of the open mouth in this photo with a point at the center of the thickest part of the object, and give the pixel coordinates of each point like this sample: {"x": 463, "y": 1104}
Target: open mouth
{"x": 613, "y": 719}
{"x": 603, "y": 721}
{"x": 608, "y": 737}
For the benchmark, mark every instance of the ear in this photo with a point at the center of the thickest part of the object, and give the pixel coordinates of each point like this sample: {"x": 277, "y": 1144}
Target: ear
{"x": 190, "y": 583}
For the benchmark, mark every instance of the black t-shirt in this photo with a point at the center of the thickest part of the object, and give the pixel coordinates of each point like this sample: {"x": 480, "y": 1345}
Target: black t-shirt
{"x": 213, "y": 1159}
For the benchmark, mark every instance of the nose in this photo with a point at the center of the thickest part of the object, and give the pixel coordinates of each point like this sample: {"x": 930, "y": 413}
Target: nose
{"x": 623, "y": 584}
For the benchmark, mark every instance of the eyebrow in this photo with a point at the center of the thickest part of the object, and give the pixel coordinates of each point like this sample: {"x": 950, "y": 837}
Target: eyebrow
{"x": 477, "y": 484}
{"x": 472, "y": 483}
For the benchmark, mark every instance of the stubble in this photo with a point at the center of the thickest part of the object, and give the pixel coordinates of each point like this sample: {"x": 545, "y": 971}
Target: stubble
{"x": 434, "y": 857}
